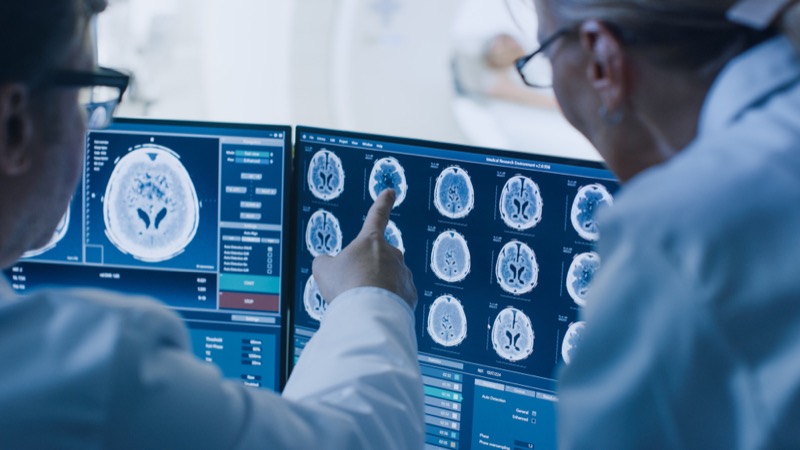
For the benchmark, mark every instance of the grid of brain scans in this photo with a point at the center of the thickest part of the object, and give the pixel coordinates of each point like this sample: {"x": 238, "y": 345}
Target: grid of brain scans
{"x": 501, "y": 247}
{"x": 191, "y": 214}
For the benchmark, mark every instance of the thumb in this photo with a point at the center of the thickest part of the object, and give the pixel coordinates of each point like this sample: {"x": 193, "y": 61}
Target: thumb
{"x": 319, "y": 265}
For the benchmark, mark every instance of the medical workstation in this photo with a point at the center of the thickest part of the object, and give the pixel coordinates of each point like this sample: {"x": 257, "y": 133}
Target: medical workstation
{"x": 254, "y": 137}
{"x": 500, "y": 241}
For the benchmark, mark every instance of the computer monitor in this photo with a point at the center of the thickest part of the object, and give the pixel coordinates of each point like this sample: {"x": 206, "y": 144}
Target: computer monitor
{"x": 501, "y": 248}
{"x": 191, "y": 214}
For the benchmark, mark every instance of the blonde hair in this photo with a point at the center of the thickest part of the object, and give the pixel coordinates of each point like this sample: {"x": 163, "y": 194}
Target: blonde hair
{"x": 692, "y": 35}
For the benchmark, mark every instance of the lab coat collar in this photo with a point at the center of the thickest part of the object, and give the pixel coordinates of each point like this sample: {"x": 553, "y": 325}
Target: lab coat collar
{"x": 748, "y": 79}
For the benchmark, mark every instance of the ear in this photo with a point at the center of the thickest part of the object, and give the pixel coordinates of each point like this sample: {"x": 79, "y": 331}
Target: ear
{"x": 16, "y": 128}
{"x": 608, "y": 63}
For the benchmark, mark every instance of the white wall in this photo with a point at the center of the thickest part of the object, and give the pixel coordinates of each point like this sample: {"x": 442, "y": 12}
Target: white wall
{"x": 246, "y": 60}
{"x": 202, "y": 59}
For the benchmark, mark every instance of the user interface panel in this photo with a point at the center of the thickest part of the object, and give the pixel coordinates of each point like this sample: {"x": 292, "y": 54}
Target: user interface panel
{"x": 501, "y": 248}
{"x": 191, "y": 214}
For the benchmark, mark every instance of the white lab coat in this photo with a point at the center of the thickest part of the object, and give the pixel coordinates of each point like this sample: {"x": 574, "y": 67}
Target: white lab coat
{"x": 85, "y": 369}
{"x": 693, "y": 322}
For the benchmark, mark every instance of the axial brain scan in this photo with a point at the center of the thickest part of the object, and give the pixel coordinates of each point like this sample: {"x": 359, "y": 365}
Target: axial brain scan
{"x": 387, "y": 173}
{"x": 150, "y": 207}
{"x": 326, "y": 175}
{"x": 313, "y": 301}
{"x": 580, "y": 275}
{"x": 447, "y": 322}
{"x": 323, "y": 234}
{"x": 512, "y": 335}
{"x": 572, "y": 341}
{"x": 454, "y": 196}
{"x": 521, "y": 203}
{"x": 517, "y": 270}
{"x": 394, "y": 237}
{"x": 58, "y": 234}
{"x": 584, "y": 208}
{"x": 450, "y": 258}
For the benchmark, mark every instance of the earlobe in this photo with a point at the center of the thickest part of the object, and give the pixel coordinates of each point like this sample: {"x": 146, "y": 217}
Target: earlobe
{"x": 15, "y": 129}
{"x": 607, "y": 61}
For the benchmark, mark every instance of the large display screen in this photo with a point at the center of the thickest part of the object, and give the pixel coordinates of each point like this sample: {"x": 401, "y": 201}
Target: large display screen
{"x": 191, "y": 214}
{"x": 501, "y": 248}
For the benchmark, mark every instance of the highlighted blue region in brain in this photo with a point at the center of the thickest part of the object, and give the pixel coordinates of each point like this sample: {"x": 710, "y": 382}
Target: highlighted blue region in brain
{"x": 150, "y": 206}
{"x": 521, "y": 203}
{"x": 447, "y": 322}
{"x": 387, "y": 173}
{"x": 589, "y": 199}
{"x": 517, "y": 270}
{"x": 312, "y": 300}
{"x": 572, "y": 341}
{"x": 450, "y": 258}
{"x": 580, "y": 275}
{"x": 394, "y": 237}
{"x": 58, "y": 234}
{"x": 323, "y": 234}
{"x": 454, "y": 196}
{"x": 326, "y": 175}
{"x": 512, "y": 335}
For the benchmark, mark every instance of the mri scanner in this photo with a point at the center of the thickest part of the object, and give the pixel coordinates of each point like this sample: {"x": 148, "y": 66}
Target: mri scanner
{"x": 384, "y": 66}
{"x": 377, "y": 66}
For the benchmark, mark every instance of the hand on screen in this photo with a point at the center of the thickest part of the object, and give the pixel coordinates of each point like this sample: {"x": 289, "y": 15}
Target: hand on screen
{"x": 368, "y": 261}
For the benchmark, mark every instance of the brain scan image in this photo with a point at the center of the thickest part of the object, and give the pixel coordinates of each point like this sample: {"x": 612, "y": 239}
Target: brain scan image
{"x": 323, "y": 234}
{"x": 454, "y": 196}
{"x": 516, "y": 269}
{"x": 447, "y": 322}
{"x": 394, "y": 237}
{"x": 450, "y": 258}
{"x": 521, "y": 203}
{"x": 584, "y": 207}
{"x": 326, "y": 175}
{"x": 313, "y": 301}
{"x": 387, "y": 173}
{"x": 58, "y": 234}
{"x": 512, "y": 335}
{"x": 150, "y": 207}
{"x": 572, "y": 341}
{"x": 580, "y": 275}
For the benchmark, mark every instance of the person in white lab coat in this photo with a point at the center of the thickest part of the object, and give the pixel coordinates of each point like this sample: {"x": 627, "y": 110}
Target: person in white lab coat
{"x": 692, "y": 335}
{"x": 93, "y": 369}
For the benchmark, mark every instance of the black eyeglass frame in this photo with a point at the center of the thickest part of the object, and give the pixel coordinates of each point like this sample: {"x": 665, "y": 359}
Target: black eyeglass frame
{"x": 102, "y": 76}
{"x": 521, "y": 62}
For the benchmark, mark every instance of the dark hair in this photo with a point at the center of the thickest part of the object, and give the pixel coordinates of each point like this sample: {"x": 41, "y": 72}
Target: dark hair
{"x": 36, "y": 35}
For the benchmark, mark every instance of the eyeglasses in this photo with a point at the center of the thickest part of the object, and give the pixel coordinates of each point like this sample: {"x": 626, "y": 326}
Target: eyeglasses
{"x": 101, "y": 91}
{"x": 535, "y": 68}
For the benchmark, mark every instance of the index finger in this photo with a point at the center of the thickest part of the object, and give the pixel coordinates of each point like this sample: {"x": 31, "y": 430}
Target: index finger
{"x": 378, "y": 214}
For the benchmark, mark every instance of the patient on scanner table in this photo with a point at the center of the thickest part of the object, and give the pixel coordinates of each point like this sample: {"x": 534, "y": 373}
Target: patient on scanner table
{"x": 490, "y": 73}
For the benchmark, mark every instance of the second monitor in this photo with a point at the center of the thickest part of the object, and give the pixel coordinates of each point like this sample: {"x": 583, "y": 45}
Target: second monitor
{"x": 501, "y": 248}
{"x": 191, "y": 214}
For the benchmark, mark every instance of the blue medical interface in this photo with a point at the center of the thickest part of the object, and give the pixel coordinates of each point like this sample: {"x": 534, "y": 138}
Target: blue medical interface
{"x": 191, "y": 214}
{"x": 501, "y": 247}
